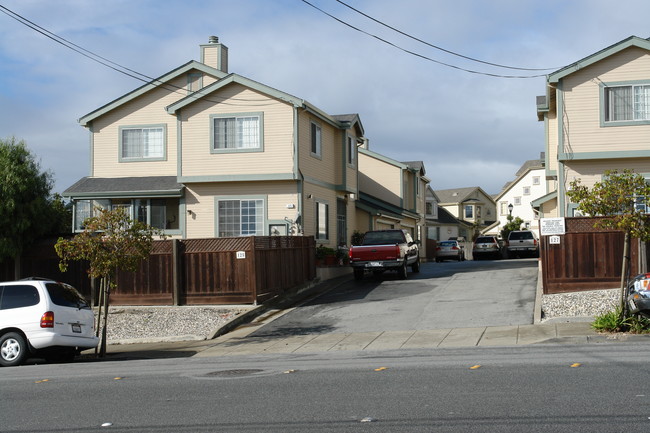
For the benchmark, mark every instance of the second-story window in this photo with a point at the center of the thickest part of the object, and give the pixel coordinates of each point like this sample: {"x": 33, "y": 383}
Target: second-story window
{"x": 238, "y": 132}
{"x": 627, "y": 103}
{"x": 469, "y": 211}
{"x": 142, "y": 143}
{"x": 316, "y": 140}
{"x": 526, "y": 190}
{"x": 352, "y": 150}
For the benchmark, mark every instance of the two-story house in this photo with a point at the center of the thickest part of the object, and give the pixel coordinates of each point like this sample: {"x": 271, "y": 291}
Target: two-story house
{"x": 471, "y": 205}
{"x": 392, "y": 194}
{"x": 201, "y": 152}
{"x": 441, "y": 225}
{"x": 517, "y": 196}
{"x": 596, "y": 114}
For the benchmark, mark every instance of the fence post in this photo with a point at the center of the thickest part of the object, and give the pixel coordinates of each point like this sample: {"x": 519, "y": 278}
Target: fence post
{"x": 253, "y": 269}
{"x": 176, "y": 273}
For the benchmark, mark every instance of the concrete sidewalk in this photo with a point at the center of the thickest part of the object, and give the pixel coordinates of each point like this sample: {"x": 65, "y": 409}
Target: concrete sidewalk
{"x": 239, "y": 342}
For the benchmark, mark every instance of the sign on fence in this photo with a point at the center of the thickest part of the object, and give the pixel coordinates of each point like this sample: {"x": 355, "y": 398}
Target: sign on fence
{"x": 552, "y": 226}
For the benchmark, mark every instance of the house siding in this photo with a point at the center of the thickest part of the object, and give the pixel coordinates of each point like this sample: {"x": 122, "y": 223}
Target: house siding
{"x": 380, "y": 179}
{"x": 200, "y": 200}
{"x": 277, "y": 118}
{"x": 582, "y": 105}
{"x": 327, "y": 167}
{"x": 148, "y": 109}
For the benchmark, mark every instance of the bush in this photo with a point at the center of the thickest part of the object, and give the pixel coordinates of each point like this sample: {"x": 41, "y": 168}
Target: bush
{"x": 613, "y": 321}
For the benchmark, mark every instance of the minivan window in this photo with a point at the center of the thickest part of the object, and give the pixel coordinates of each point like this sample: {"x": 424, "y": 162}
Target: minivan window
{"x": 18, "y": 296}
{"x": 66, "y": 295}
{"x": 518, "y": 236}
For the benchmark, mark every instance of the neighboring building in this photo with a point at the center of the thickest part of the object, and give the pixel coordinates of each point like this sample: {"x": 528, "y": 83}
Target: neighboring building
{"x": 529, "y": 184}
{"x": 441, "y": 225}
{"x": 201, "y": 152}
{"x": 596, "y": 113}
{"x": 392, "y": 194}
{"x": 471, "y": 205}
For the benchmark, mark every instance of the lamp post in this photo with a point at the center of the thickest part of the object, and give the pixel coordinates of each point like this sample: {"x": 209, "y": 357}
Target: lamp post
{"x": 510, "y": 206}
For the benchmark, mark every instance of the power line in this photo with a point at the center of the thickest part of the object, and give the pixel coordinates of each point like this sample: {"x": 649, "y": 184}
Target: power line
{"x": 440, "y": 48}
{"x": 106, "y": 62}
{"x": 417, "y": 54}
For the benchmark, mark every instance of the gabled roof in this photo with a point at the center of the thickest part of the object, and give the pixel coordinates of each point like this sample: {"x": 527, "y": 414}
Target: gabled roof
{"x": 444, "y": 217}
{"x": 229, "y": 79}
{"x": 416, "y": 166}
{"x": 148, "y": 186}
{"x": 84, "y": 120}
{"x": 458, "y": 195}
{"x": 632, "y": 41}
{"x": 350, "y": 119}
{"x": 531, "y": 164}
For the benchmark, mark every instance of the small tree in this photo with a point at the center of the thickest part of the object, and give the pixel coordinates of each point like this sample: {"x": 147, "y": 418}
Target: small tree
{"x": 514, "y": 223}
{"x": 111, "y": 241}
{"x": 621, "y": 198}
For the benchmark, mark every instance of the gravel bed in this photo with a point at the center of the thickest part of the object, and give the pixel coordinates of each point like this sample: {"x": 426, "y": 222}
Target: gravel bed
{"x": 579, "y": 304}
{"x": 189, "y": 322}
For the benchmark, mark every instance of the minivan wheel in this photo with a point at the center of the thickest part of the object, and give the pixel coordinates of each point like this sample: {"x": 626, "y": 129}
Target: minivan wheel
{"x": 13, "y": 349}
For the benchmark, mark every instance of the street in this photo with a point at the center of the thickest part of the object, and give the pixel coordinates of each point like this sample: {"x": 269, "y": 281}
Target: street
{"x": 599, "y": 388}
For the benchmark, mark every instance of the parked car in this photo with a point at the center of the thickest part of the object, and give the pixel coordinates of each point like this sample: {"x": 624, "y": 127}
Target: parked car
{"x": 522, "y": 243}
{"x": 639, "y": 295}
{"x": 486, "y": 246}
{"x": 450, "y": 250}
{"x": 45, "y": 318}
{"x": 383, "y": 250}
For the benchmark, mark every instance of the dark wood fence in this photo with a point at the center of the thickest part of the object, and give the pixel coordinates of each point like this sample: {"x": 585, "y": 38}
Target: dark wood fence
{"x": 243, "y": 270}
{"x": 587, "y": 258}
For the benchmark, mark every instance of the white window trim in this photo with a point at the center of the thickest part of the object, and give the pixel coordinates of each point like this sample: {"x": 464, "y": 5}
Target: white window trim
{"x": 264, "y": 223}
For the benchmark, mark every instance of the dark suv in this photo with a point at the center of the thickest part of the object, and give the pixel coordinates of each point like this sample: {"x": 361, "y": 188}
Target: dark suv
{"x": 522, "y": 243}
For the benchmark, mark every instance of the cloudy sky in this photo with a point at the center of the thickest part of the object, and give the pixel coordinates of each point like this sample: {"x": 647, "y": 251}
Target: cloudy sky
{"x": 469, "y": 129}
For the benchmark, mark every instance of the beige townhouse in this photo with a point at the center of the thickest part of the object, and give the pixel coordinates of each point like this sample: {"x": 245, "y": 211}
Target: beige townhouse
{"x": 596, "y": 114}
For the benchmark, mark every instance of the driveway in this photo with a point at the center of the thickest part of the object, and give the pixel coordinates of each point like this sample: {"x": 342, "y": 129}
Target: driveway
{"x": 443, "y": 295}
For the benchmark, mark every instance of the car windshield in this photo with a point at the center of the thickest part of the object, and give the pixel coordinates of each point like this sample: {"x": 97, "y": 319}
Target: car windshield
{"x": 383, "y": 238}
{"x": 485, "y": 240}
{"x": 517, "y": 236}
{"x": 66, "y": 295}
{"x": 447, "y": 244}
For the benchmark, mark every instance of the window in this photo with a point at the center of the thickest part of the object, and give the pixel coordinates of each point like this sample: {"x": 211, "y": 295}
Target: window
{"x": 503, "y": 208}
{"x": 316, "y": 140}
{"x": 84, "y": 209}
{"x": 535, "y": 180}
{"x": 517, "y": 201}
{"x": 322, "y": 221}
{"x": 161, "y": 213}
{"x": 146, "y": 143}
{"x": 18, "y": 296}
{"x": 352, "y": 150}
{"x": 469, "y": 211}
{"x": 429, "y": 208}
{"x": 526, "y": 190}
{"x": 627, "y": 103}
{"x": 236, "y": 133}
{"x": 240, "y": 218}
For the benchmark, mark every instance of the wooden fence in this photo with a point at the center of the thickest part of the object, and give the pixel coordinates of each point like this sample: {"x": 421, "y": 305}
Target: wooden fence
{"x": 244, "y": 270}
{"x": 586, "y": 258}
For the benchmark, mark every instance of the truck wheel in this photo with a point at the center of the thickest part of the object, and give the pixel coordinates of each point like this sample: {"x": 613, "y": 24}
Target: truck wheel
{"x": 358, "y": 274}
{"x": 403, "y": 272}
{"x": 415, "y": 267}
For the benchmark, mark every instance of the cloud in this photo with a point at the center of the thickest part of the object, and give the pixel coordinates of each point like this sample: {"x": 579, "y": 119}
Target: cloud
{"x": 470, "y": 130}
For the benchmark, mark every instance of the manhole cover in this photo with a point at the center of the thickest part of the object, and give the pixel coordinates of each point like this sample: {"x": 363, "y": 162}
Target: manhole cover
{"x": 235, "y": 373}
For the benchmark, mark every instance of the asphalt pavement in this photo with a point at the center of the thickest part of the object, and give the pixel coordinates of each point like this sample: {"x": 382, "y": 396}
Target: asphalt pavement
{"x": 235, "y": 338}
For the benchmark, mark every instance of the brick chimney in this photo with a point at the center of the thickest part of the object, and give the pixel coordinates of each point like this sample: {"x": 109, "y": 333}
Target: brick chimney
{"x": 215, "y": 54}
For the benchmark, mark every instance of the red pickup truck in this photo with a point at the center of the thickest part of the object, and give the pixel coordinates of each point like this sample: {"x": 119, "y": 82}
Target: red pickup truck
{"x": 383, "y": 250}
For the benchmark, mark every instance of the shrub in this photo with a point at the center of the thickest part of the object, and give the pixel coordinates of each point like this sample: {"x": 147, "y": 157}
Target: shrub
{"x": 613, "y": 321}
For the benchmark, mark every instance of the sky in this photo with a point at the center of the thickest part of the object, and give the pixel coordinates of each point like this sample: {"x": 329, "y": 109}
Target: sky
{"x": 469, "y": 129}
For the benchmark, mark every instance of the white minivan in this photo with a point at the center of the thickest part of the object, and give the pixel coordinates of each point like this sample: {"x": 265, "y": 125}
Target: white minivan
{"x": 42, "y": 317}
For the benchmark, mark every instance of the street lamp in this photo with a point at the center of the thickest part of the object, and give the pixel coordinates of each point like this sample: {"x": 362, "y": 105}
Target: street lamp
{"x": 510, "y": 206}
